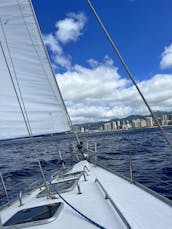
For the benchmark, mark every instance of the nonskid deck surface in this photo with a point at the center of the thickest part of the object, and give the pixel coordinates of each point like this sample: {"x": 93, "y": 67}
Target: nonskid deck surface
{"x": 139, "y": 208}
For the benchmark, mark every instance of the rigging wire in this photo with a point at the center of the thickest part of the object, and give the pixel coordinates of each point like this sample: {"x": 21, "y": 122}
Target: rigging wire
{"x": 128, "y": 72}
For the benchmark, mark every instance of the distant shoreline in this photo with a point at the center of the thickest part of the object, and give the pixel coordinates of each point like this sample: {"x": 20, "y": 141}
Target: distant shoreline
{"x": 121, "y": 130}
{"x": 82, "y": 133}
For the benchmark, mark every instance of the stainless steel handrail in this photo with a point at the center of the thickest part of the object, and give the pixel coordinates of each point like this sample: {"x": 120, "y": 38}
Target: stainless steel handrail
{"x": 113, "y": 204}
{"x": 83, "y": 173}
{"x": 20, "y": 199}
{"x": 61, "y": 160}
{"x": 79, "y": 189}
{"x": 85, "y": 168}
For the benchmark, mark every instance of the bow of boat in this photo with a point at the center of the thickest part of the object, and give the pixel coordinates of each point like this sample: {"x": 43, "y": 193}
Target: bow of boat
{"x": 92, "y": 197}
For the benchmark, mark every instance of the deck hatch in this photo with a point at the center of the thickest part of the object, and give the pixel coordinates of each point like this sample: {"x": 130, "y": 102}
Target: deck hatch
{"x": 34, "y": 216}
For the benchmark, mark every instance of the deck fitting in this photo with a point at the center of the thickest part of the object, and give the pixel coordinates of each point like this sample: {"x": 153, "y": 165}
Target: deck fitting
{"x": 79, "y": 190}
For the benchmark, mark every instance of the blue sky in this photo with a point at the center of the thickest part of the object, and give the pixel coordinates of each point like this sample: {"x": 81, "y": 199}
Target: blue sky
{"x": 87, "y": 70}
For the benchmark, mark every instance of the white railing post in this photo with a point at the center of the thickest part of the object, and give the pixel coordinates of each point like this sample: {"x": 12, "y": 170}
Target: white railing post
{"x": 61, "y": 160}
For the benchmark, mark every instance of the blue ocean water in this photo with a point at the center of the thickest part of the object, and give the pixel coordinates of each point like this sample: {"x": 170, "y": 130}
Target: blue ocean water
{"x": 151, "y": 157}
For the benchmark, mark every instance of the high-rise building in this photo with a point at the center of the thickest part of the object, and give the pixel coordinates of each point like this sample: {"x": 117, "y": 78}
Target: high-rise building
{"x": 107, "y": 126}
{"x": 128, "y": 124}
{"x": 136, "y": 123}
{"x": 164, "y": 119}
{"x": 149, "y": 121}
{"x": 118, "y": 124}
{"x": 125, "y": 125}
{"x": 113, "y": 125}
{"x": 143, "y": 123}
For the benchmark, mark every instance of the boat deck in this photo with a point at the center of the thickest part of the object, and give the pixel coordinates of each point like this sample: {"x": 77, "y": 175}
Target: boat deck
{"x": 139, "y": 208}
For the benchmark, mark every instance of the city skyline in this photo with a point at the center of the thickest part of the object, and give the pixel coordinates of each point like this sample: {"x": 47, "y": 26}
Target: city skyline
{"x": 134, "y": 121}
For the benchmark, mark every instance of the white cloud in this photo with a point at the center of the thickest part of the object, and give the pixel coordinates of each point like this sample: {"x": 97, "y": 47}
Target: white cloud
{"x": 166, "y": 60}
{"x": 90, "y": 83}
{"x": 70, "y": 28}
{"x": 100, "y": 93}
{"x": 58, "y": 55}
{"x": 67, "y": 30}
{"x": 53, "y": 44}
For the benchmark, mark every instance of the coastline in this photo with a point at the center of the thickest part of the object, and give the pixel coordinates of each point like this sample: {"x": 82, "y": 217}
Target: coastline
{"x": 120, "y": 130}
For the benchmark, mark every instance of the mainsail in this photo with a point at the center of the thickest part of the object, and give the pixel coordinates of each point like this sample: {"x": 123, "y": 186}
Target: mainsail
{"x": 25, "y": 71}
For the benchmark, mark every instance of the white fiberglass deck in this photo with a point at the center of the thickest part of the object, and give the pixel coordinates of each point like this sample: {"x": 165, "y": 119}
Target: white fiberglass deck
{"x": 140, "y": 209}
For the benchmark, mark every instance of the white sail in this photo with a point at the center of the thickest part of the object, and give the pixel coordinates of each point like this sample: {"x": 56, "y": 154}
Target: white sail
{"x": 23, "y": 57}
